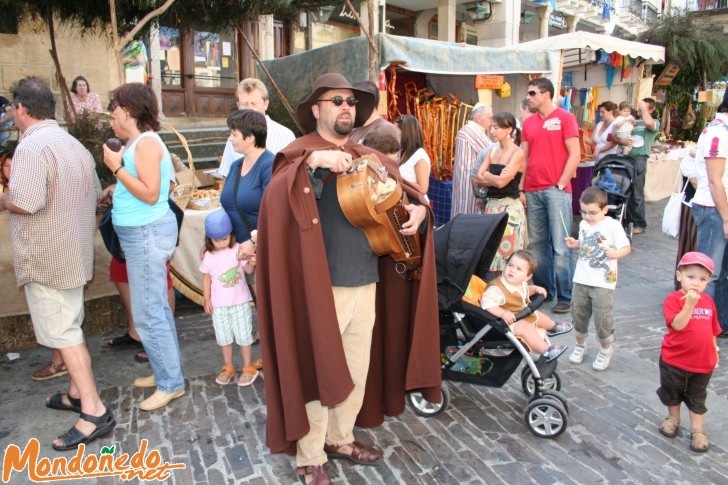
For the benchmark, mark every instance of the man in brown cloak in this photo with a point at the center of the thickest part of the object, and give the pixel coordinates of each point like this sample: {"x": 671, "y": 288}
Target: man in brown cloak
{"x": 343, "y": 335}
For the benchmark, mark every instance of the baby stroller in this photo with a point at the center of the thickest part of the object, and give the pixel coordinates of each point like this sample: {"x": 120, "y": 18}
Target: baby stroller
{"x": 477, "y": 347}
{"x": 619, "y": 190}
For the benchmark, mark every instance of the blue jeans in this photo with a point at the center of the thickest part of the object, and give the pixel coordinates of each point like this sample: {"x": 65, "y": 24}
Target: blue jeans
{"x": 636, "y": 203}
{"x": 147, "y": 250}
{"x": 712, "y": 242}
{"x": 555, "y": 268}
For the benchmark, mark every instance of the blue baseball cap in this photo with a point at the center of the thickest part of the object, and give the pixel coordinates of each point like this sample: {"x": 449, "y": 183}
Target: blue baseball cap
{"x": 218, "y": 225}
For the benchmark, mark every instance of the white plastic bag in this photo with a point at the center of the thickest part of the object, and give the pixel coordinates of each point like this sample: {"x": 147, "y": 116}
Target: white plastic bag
{"x": 671, "y": 216}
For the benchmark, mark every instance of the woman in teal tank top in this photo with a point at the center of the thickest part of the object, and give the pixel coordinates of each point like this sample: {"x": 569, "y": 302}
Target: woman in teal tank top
{"x": 147, "y": 231}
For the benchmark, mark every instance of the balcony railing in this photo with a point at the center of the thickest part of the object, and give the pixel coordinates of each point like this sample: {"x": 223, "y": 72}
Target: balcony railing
{"x": 698, "y": 5}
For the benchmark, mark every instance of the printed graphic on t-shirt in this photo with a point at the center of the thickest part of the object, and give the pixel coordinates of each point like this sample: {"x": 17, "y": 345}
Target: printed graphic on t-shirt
{"x": 592, "y": 251}
{"x": 702, "y": 314}
{"x": 231, "y": 277}
{"x": 554, "y": 124}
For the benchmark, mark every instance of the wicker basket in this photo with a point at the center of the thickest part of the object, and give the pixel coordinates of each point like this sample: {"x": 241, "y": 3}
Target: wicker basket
{"x": 182, "y": 192}
{"x": 208, "y": 202}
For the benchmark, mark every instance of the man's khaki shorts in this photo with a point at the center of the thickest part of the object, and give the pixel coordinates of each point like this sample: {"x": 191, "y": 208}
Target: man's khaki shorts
{"x": 57, "y": 315}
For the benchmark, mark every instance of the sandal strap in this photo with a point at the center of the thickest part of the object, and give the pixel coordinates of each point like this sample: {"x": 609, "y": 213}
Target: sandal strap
{"x": 250, "y": 370}
{"x": 97, "y": 420}
{"x": 228, "y": 368}
{"x": 73, "y": 435}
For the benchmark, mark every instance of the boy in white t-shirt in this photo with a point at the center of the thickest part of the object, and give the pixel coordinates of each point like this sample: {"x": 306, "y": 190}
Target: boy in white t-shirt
{"x": 601, "y": 242}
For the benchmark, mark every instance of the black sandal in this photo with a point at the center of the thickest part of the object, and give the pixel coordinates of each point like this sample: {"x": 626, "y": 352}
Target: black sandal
{"x": 73, "y": 437}
{"x": 56, "y": 402}
{"x": 125, "y": 340}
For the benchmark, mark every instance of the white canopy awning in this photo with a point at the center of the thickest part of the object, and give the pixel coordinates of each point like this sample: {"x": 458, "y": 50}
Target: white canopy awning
{"x": 654, "y": 54}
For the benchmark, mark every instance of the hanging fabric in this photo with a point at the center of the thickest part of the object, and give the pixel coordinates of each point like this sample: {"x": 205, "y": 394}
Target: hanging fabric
{"x": 611, "y": 71}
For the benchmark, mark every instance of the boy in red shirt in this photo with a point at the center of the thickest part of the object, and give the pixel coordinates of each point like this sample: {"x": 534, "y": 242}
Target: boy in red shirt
{"x": 689, "y": 352}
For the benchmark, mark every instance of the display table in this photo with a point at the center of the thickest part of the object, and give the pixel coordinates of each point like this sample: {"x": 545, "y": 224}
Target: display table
{"x": 186, "y": 276}
{"x": 662, "y": 170}
{"x": 582, "y": 181}
{"x": 14, "y": 302}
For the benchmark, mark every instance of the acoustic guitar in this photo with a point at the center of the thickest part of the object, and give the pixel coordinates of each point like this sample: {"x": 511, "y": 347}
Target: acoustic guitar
{"x": 374, "y": 202}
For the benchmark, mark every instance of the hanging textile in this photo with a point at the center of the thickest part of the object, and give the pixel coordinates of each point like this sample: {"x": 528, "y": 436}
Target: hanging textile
{"x": 611, "y": 71}
{"x": 630, "y": 91}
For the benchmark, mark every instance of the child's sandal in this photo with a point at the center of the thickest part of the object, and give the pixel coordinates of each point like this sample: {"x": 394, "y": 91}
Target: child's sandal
{"x": 554, "y": 352}
{"x": 670, "y": 426}
{"x": 699, "y": 441}
{"x": 249, "y": 375}
{"x": 226, "y": 375}
{"x": 560, "y": 328}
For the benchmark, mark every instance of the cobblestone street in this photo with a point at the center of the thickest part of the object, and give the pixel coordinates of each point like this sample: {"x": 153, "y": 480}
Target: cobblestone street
{"x": 219, "y": 432}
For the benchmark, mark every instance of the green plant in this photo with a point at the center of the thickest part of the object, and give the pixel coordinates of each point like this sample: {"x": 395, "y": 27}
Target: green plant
{"x": 93, "y": 133}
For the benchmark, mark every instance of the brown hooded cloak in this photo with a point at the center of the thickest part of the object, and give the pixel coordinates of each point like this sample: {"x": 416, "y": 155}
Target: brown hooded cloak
{"x": 300, "y": 339}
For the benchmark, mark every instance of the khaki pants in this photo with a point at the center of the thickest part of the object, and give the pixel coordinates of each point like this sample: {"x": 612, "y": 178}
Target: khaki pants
{"x": 355, "y": 310}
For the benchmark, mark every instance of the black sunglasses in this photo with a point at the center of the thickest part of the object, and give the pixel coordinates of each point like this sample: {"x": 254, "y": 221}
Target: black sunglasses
{"x": 338, "y": 100}
{"x": 534, "y": 93}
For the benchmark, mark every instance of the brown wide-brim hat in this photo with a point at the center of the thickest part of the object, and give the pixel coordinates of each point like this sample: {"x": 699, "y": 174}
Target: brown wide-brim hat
{"x": 327, "y": 82}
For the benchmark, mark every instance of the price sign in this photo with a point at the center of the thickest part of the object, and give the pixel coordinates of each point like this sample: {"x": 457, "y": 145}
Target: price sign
{"x": 488, "y": 81}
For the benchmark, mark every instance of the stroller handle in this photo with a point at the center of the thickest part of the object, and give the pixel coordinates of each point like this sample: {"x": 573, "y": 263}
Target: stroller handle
{"x": 536, "y": 302}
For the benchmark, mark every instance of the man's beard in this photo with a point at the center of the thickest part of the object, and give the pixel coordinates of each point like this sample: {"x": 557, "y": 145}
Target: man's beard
{"x": 343, "y": 128}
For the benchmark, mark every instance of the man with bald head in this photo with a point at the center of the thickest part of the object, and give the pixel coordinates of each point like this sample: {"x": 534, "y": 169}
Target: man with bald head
{"x": 469, "y": 142}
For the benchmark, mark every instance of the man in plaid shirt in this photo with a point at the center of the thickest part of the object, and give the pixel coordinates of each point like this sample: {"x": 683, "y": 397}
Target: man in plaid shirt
{"x": 52, "y": 208}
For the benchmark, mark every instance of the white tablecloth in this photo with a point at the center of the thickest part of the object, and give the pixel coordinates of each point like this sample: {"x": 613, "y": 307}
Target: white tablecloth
{"x": 662, "y": 170}
{"x": 186, "y": 276}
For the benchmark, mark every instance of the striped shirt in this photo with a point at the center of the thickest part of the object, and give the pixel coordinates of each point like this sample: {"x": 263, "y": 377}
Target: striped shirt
{"x": 469, "y": 142}
{"x": 54, "y": 178}
{"x": 278, "y": 138}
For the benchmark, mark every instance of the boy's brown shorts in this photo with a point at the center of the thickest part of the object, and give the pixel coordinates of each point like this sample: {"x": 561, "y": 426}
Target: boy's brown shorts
{"x": 677, "y": 385}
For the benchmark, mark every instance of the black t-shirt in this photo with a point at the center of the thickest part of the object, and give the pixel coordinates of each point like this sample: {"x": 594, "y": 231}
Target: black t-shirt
{"x": 351, "y": 260}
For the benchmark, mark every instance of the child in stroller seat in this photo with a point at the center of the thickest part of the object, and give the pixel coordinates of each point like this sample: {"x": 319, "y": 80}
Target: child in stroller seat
{"x": 509, "y": 294}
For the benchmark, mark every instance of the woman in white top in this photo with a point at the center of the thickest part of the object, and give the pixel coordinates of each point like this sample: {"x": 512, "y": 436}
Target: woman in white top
{"x": 602, "y": 135}
{"x": 414, "y": 163}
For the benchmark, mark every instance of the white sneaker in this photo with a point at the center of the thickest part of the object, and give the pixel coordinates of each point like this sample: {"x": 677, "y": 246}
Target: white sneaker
{"x": 577, "y": 355}
{"x": 603, "y": 358}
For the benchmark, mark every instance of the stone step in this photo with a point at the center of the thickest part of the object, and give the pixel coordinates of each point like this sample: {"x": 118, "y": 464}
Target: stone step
{"x": 206, "y": 144}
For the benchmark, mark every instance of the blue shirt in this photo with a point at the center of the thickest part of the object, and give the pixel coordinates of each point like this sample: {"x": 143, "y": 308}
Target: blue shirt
{"x": 128, "y": 210}
{"x": 250, "y": 193}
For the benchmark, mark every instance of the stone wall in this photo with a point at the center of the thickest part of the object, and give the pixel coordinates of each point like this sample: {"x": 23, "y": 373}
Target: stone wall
{"x": 28, "y": 53}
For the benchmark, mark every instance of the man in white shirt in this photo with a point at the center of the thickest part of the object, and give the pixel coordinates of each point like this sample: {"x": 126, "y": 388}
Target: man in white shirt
{"x": 710, "y": 205}
{"x": 252, "y": 94}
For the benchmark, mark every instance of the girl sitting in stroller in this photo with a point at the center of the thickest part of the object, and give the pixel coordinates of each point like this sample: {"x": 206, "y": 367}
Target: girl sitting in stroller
{"x": 509, "y": 294}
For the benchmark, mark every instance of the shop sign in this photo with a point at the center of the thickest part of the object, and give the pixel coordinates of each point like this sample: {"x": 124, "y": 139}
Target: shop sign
{"x": 345, "y": 16}
{"x": 557, "y": 21}
{"x": 667, "y": 74}
{"x": 488, "y": 81}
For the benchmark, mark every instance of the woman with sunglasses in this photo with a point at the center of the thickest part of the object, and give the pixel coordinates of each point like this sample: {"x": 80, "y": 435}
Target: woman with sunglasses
{"x": 501, "y": 173}
{"x": 147, "y": 230}
{"x": 414, "y": 163}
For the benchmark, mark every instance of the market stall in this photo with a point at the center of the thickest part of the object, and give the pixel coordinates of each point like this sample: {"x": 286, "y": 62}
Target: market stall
{"x": 594, "y": 68}
{"x": 435, "y": 81}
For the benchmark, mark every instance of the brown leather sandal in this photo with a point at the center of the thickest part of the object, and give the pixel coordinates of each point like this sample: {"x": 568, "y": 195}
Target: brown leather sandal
{"x": 317, "y": 473}
{"x": 670, "y": 426}
{"x": 49, "y": 371}
{"x": 360, "y": 454}
{"x": 699, "y": 441}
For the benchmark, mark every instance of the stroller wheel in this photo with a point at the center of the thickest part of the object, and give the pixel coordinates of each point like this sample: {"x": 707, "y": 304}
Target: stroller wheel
{"x": 552, "y": 382}
{"x": 554, "y": 395}
{"x": 423, "y": 407}
{"x": 546, "y": 418}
